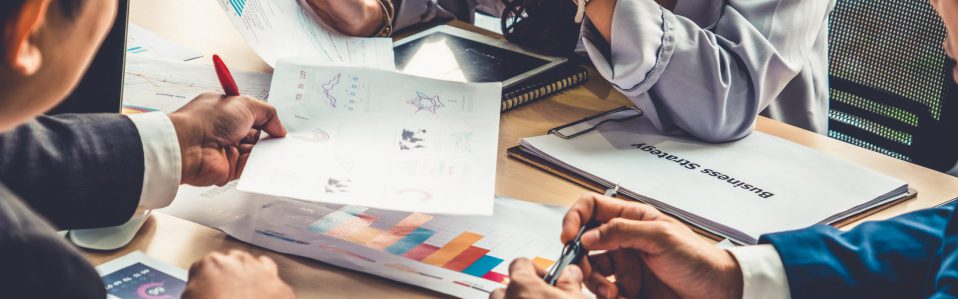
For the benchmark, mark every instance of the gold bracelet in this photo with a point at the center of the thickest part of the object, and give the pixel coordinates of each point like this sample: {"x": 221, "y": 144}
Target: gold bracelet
{"x": 388, "y": 12}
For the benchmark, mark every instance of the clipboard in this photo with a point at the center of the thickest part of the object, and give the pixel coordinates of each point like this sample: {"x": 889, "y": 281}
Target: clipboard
{"x": 591, "y": 123}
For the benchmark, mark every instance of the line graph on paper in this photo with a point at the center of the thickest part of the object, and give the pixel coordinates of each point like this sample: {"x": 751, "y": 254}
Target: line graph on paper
{"x": 343, "y": 92}
{"x": 184, "y": 89}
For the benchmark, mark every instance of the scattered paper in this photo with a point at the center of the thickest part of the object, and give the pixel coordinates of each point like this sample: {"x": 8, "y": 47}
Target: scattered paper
{"x": 136, "y": 276}
{"x": 282, "y": 28}
{"x": 153, "y": 84}
{"x": 141, "y": 41}
{"x": 463, "y": 256}
{"x": 380, "y": 139}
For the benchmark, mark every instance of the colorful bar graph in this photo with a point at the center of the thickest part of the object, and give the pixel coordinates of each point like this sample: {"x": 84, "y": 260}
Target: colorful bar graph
{"x": 421, "y": 252}
{"x": 466, "y": 258}
{"x": 364, "y": 235}
{"x": 399, "y": 231}
{"x": 334, "y": 219}
{"x": 452, "y": 249}
{"x": 543, "y": 263}
{"x": 483, "y": 266}
{"x": 411, "y": 241}
{"x": 349, "y": 227}
{"x": 497, "y": 277}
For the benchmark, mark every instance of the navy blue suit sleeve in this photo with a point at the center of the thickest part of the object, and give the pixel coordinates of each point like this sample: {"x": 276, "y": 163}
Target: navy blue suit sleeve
{"x": 946, "y": 280}
{"x": 895, "y": 258}
{"x": 78, "y": 171}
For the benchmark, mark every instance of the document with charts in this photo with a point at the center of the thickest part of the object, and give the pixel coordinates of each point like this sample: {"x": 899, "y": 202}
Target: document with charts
{"x": 154, "y": 84}
{"x": 378, "y": 138}
{"x": 282, "y": 28}
{"x": 463, "y": 256}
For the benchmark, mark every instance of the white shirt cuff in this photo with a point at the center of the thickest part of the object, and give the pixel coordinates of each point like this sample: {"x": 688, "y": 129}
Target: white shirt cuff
{"x": 161, "y": 159}
{"x": 762, "y": 271}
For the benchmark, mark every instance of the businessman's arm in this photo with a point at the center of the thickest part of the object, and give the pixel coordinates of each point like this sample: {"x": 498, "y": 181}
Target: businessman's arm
{"x": 82, "y": 171}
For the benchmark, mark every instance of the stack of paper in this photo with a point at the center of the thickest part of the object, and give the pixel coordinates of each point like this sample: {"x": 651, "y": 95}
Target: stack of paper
{"x": 379, "y": 138}
{"x": 740, "y": 190}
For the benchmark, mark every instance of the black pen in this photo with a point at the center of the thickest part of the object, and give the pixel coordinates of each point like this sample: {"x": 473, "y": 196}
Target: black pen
{"x": 574, "y": 252}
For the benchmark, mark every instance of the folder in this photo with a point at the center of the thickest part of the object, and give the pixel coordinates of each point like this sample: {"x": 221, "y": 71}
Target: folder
{"x": 576, "y": 175}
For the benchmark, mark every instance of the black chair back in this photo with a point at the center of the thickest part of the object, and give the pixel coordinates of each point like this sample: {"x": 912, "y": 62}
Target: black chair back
{"x": 891, "y": 84}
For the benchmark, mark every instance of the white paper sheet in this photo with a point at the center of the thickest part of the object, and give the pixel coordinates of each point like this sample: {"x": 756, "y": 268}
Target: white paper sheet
{"x": 282, "y": 28}
{"x": 153, "y": 84}
{"x": 141, "y": 41}
{"x": 757, "y": 185}
{"x": 136, "y": 275}
{"x": 463, "y": 256}
{"x": 380, "y": 139}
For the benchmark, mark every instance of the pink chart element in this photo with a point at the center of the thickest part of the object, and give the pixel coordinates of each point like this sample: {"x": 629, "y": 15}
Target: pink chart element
{"x": 427, "y": 103}
{"x": 145, "y": 290}
{"x": 328, "y": 89}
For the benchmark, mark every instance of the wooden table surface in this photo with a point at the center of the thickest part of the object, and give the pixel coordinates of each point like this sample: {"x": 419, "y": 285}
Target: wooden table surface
{"x": 202, "y": 26}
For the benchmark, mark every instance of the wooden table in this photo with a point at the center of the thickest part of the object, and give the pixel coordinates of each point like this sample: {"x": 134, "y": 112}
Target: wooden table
{"x": 202, "y": 26}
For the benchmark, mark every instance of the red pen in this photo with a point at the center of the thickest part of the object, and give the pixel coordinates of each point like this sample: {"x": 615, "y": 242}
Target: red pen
{"x": 226, "y": 78}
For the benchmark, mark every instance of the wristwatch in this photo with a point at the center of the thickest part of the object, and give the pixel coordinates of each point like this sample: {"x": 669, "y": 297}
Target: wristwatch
{"x": 389, "y": 11}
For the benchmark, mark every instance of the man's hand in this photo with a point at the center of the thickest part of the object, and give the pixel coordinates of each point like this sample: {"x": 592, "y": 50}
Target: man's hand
{"x": 216, "y": 134}
{"x": 648, "y": 254}
{"x": 236, "y": 275}
{"x": 349, "y": 17}
{"x": 525, "y": 281}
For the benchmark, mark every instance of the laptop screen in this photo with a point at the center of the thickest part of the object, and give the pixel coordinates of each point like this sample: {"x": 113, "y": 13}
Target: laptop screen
{"x": 101, "y": 89}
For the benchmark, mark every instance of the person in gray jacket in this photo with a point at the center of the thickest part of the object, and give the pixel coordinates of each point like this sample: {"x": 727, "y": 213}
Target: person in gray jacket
{"x": 696, "y": 67}
{"x": 95, "y": 170}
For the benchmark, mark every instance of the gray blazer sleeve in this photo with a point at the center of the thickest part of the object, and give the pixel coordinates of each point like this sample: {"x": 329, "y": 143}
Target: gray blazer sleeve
{"x": 78, "y": 171}
{"x": 709, "y": 68}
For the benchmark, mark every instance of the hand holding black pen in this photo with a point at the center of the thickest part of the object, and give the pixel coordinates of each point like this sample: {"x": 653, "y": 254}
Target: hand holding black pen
{"x": 574, "y": 251}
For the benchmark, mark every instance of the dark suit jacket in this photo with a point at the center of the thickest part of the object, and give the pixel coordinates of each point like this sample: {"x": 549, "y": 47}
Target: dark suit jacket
{"x": 74, "y": 171}
{"x": 910, "y": 256}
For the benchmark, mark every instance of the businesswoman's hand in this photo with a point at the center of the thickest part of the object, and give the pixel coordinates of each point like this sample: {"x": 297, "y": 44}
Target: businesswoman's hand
{"x": 350, "y": 17}
{"x": 216, "y": 134}
{"x": 525, "y": 281}
{"x": 648, "y": 254}
{"x": 236, "y": 275}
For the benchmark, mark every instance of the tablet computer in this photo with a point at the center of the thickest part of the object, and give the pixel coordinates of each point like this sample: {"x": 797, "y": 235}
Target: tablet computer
{"x": 450, "y": 53}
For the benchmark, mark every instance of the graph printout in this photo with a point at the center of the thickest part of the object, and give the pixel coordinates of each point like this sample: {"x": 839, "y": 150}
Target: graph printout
{"x": 282, "y": 28}
{"x": 153, "y": 84}
{"x": 376, "y": 138}
{"x": 464, "y": 256}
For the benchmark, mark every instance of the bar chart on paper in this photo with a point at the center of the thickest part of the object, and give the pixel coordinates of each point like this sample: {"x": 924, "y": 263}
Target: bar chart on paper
{"x": 465, "y": 256}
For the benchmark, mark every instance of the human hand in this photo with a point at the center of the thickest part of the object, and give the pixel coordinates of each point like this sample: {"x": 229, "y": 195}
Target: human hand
{"x": 525, "y": 281}
{"x": 235, "y": 275}
{"x": 649, "y": 254}
{"x": 352, "y": 17}
{"x": 216, "y": 134}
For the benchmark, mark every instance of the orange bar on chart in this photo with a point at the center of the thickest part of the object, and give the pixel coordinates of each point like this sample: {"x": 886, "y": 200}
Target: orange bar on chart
{"x": 452, "y": 249}
{"x": 399, "y": 231}
{"x": 543, "y": 263}
{"x": 365, "y": 234}
{"x": 352, "y": 226}
{"x": 466, "y": 258}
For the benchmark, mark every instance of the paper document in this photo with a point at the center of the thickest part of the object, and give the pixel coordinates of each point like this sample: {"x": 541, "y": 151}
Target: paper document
{"x": 743, "y": 189}
{"x": 380, "y": 139}
{"x": 136, "y": 276}
{"x": 282, "y": 28}
{"x": 463, "y": 256}
{"x": 141, "y": 41}
{"x": 153, "y": 84}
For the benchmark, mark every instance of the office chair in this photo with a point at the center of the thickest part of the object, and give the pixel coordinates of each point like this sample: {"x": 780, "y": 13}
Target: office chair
{"x": 891, "y": 83}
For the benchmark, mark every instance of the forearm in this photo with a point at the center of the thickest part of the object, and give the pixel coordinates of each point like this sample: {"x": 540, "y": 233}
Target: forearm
{"x": 601, "y": 12}
{"x": 352, "y": 17}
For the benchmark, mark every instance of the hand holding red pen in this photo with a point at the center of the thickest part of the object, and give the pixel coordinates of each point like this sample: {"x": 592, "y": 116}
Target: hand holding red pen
{"x": 216, "y": 133}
